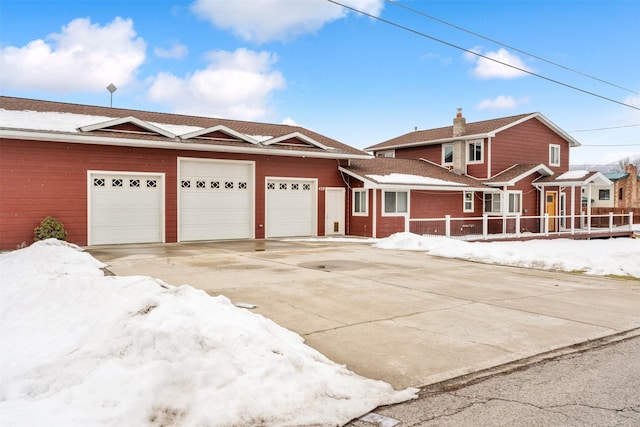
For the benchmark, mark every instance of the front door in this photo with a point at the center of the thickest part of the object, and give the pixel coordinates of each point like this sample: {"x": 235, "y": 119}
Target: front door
{"x": 551, "y": 210}
{"x": 334, "y": 211}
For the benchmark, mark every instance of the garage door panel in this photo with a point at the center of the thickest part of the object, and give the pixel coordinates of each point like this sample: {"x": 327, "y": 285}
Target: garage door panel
{"x": 125, "y": 208}
{"x": 216, "y": 200}
{"x": 291, "y": 206}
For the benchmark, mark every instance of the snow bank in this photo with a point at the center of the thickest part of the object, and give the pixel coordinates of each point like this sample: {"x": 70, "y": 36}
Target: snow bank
{"x": 80, "y": 349}
{"x": 599, "y": 257}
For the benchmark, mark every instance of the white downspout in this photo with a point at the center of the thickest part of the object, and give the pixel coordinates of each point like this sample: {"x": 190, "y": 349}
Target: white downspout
{"x": 374, "y": 222}
{"x": 489, "y": 158}
{"x": 573, "y": 208}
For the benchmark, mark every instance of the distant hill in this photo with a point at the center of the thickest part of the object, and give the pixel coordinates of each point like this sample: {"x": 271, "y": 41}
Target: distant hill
{"x": 609, "y": 167}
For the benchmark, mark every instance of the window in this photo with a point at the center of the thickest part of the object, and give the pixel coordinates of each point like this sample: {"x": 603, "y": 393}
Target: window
{"x": 395, "y": 202}
{"x": 117, "y": 182}
{"x": 603, "y": 195}
{"x": 493, "y": 202}
{"x": 151, "y": 183}
{"x": 554, "y": 155}
{"x": 514, "y": 202}
{"x": 228, "y": 185}
{"x": 468, "y": 201}
{"x": 135, "y": 183}
{"x": 215, "y": 184}
{"x": 620, "y": 193}
{"x": 447, "y": 154}
{"x": 201, "y": 184}
{"x": 98, "y": 182}
{"x": 360, "y": 202}
{"x": 388, "y": 153}
{"x": 474, "y": 149}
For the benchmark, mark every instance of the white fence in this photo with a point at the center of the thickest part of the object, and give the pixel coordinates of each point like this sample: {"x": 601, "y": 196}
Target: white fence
{"x": 516, "y": 226}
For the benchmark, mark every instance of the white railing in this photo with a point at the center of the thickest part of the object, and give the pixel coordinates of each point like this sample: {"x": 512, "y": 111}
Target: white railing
{"x": 516, "y": 226}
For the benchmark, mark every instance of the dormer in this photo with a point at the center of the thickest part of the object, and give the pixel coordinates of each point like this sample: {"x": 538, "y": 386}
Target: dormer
{"x": 218, "y": 133}
{"x": 296, "y": 139}
{"x": 128, "y": 124}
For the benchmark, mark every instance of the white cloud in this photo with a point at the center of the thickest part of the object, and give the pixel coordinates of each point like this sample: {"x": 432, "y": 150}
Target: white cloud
{"x": 265, "y": 20}
{"x": 501, "y": 103}
{"x": 176, "y": 51}
{"x": 234, "y": 85}
{"x": 289, "y": 121}
{"x": 82, "y": 57}
{"x": 490, "y": 69}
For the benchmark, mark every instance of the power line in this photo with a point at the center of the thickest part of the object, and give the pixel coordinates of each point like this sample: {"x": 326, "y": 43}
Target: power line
{"x": 613, "y": 127}
{"x": 610, "y": 145}
{"x": 386, "y": 21}
{"x": 393, "y": 2}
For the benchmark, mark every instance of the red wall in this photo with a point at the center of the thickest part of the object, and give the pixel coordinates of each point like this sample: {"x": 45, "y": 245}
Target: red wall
{"x": 527, "y": 143}
{"x": 430, "y": 152}
{"x": 38, "y": 179}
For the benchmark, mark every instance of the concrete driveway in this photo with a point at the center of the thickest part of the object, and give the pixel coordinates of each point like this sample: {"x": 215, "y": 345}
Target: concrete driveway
{"x": 402, "y": 317}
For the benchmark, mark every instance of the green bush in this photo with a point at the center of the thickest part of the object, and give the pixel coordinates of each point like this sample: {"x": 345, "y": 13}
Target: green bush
{"x": 50, "y": 228}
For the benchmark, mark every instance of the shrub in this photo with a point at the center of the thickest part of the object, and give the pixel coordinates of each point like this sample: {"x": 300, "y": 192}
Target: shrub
{"x": 50, "y": 228}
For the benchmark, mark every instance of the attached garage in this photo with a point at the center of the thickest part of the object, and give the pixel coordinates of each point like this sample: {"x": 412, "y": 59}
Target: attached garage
{"x": 125, "y": 207}
{"x": 215, "y": 199}
{"x": 291, "y": 207}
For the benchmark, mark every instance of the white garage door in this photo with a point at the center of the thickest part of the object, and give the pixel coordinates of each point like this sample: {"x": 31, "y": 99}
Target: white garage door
{"x": 125, "y": 208}
{"x": 291, "y": 207}
{"x": 216, "y": 200}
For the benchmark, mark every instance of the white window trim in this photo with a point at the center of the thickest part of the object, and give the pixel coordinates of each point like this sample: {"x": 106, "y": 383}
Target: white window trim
{"x": 552, "y": 148}
{"x": 475, "y": 141}
{"x": 504, "y": 203}
{"x": 519, "y": 192}
{"x": 444, "y": 146}
{"x": 384, "y": 213}
{"x": 366, "y": 202}
{"x": 464, "y": 201}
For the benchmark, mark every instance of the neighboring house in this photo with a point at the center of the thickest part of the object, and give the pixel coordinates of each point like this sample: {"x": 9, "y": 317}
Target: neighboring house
{"x": 504, "y": 167}
{"x": 123, "y": 176}
{"x": 622, "y": 193}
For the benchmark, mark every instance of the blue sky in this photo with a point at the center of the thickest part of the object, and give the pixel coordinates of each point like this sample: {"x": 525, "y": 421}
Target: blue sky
{"x": 350, "y": 77}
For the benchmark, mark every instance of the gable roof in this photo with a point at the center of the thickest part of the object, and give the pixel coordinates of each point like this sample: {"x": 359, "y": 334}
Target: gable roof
{"x": 517, "y": 172}
{"x": 574, "y": 177}
{"x": 473, "y": 130}
{"x": 393, "y": 173}
{"x": 30, "y": 119}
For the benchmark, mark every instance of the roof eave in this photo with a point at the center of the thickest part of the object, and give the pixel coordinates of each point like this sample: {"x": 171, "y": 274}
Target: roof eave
{"x": 432, "y": 142}
{"x": 171, "y": 145}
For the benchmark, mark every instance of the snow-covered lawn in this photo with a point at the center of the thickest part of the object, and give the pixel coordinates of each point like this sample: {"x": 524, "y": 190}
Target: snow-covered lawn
{"x": 82, "y": 349}
{"x": 619, "y": 256}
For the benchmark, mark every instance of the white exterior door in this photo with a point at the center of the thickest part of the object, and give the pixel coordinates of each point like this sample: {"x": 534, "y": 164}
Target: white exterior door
{"x": 125, "y": 207}
{"x": 291, "y": 207}
{"x": 334, "y": 211}
{"x": 215, "y": 199}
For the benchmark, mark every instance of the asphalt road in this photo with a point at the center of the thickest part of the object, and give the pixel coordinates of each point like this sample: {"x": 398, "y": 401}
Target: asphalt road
{"x": 597, "y": 387}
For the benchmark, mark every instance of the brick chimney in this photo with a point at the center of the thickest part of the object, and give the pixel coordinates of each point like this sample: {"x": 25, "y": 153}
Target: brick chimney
{"x": 459, "y": 124}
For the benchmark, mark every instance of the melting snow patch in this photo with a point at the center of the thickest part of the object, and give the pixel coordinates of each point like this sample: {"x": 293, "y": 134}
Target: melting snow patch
{"x": 79, "y": 348}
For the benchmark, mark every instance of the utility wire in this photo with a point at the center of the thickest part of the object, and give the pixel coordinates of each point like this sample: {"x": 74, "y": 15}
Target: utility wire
{"x": 614, "y": 127}
{"x": 386, "y": 21}
{"x": 393, "y": 2}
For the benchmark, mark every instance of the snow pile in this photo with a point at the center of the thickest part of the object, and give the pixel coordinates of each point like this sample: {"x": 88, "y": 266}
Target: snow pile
{"x": 401, "y": 178}
{"x": 599, "y": 257}
{"x": 80, "y": 349}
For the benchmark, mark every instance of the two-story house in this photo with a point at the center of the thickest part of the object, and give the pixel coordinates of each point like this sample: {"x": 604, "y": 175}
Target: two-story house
{"x": 505, "y": 167}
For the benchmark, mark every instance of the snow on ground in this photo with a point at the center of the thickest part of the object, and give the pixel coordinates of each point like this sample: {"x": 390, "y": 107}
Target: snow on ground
{"x": 619, "y": 256}
{"x": 83, "y": 349}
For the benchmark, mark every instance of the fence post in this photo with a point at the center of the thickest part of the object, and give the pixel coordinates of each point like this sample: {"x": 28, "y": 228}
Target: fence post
{"x": 407, "y": 226}
{"x": 447, "y": 225}
{"x": 546, "y": 224}
{"x": 517, "y": 225}
{"x": 610, "y": 222}
{"x": 485, "y": 226}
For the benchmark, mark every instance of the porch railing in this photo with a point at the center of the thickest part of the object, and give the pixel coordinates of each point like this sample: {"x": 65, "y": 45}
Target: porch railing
{"x": 516, "y": 226}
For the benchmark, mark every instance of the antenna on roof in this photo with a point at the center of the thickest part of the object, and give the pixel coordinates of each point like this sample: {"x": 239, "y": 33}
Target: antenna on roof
{"x": 111, "y": 88}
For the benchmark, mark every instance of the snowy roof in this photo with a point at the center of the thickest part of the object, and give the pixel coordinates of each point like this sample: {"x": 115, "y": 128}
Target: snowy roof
{"x": 517, "y": 172}
{"x": 479, "y": 129}
{"x": 407, "y": 172}
{"x": 19, "y": 116}
{"x": 578, "y": 177}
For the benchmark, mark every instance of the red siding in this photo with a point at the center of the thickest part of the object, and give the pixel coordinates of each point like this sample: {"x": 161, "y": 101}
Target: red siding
{"x": 527, "y": 143}
{"x": 358, "y": 225}
{"x": 44, "y": 178}
{"x": 432, "y": 153}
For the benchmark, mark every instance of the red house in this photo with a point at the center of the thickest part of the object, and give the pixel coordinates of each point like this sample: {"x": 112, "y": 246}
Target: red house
{"x": 498, "y": 176}
{"x": 121, "y": 176}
